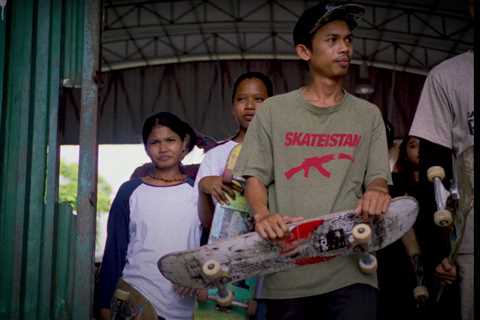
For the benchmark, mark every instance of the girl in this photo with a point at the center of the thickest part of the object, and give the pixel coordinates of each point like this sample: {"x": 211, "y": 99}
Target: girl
{"x": 249, "y": 91}
{"x": 150, "y": 217}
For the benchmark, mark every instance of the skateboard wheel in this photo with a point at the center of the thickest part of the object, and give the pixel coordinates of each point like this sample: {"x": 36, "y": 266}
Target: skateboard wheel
{"x": 361, "y": 233}
{"x": 227, "y": 300}
{"x": 368, "y": 264}
{"x": 435, "y": 172}
{"x": 121, "y": 294}
{"x": 252, "y": 308}
{"x": 211, "y": 268}
{"x": 420, "y": 294}
{"x": 443, "y": 218}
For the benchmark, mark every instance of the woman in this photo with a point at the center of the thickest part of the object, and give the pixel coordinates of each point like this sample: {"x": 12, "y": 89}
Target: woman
{"x": 401, "y": 268}
{"x": 249, "y": 91}
{"x": 150, "y": 217}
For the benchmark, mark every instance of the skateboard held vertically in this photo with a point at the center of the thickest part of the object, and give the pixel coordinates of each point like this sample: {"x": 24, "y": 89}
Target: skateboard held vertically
{"x": 236, "y": 300}
{"x": 234, "y": 218}
{"x": 449, "y": 215}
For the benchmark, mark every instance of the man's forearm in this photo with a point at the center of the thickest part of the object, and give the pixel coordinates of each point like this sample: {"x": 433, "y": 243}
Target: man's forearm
{"x": 257, "y": 198}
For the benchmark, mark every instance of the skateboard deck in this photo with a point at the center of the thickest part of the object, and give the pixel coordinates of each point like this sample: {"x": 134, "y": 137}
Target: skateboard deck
{"x": 310, "y": 241}
{"x": 451, "y": 212}
{"x": 232, "y": 219}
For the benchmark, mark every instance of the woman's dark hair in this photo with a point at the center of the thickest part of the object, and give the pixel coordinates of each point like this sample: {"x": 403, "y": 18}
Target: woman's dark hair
{"x": 406, "y": 169}
{"x": 390, "y": 133}
{"x": 403, "y": 164}
{"x": 253, "y": 75}
{"x": 174, "y": 123}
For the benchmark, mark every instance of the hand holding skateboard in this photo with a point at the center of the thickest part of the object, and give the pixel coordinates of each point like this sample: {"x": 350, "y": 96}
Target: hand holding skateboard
{"x": 221, "y": 191}
{"x": 374, "y": 202}
{"x": 274, "y": 226}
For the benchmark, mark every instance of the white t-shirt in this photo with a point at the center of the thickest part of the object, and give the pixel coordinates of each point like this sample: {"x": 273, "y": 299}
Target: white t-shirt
{"x": 214, "y": 162}
{"x": 162, "y": 220}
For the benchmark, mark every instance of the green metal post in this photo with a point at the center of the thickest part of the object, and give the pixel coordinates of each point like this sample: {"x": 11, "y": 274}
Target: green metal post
{"x": 62, "y": 308}
{"x": 16, "y": 160}
{"x": 68, "y": 43}
{"x": 80, "y": 38}
{"x": 38, "y": 149}
{"x": 3, "y": 35}
{"x": 51, "y": 196}
{"x": 87, "y": 180}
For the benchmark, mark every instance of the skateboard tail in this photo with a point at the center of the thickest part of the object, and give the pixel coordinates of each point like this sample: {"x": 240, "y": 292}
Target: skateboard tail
{"x": 177, "y": 270}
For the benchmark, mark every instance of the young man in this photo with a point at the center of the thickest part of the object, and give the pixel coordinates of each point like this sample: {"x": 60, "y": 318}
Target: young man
{"x": 444, "y": 120}
{"x": 313, "y": 151}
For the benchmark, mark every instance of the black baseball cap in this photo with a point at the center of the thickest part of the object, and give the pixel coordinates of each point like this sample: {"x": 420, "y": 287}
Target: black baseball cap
{"x": 319, "y": 15}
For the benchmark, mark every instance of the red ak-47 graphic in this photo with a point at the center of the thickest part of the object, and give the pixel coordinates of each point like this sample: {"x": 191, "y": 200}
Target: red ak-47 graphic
{"x": 317, "y": 163}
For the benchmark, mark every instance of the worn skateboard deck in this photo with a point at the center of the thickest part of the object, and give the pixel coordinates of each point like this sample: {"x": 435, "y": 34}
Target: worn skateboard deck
{"x": 311, "y": 241}
{"x": 233, "y": 219}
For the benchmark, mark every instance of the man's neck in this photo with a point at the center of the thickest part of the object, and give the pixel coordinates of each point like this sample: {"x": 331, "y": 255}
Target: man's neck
{"x": 324, "y": 92}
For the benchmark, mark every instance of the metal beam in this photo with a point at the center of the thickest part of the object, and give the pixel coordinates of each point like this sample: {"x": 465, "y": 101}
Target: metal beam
{"x": 87, "y": 176}
{"x": 203, "y": 58}
{"x": 227, "y": 21}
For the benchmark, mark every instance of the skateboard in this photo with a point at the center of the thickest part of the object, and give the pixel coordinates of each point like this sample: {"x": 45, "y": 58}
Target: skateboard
{"x": 128, "y": 303}
{"x": 230, "y": 220}
{"x": 242, "y": 306}
{"x": 448, "y": 214}
{"x": 420, "y": 292}
{"x": 309, "y": 242}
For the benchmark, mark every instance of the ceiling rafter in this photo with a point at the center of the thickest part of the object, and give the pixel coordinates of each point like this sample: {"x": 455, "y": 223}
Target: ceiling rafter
{"x": 423, "y": 32}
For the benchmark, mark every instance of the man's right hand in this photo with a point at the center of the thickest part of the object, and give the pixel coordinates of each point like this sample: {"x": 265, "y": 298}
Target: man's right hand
{"x": 214, "y": 186}
{"x": 274, "y": 226}
{"x": 446, "y": 271}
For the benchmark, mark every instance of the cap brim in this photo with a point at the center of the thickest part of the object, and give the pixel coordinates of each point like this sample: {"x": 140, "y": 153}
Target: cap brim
{"x": 345, "y": 11}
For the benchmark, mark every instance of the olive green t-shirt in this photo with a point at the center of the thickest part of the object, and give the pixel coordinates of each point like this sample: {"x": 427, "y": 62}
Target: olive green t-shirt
{"x": 315, "y": 161}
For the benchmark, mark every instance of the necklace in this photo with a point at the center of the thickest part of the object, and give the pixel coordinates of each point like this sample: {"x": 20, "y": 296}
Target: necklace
{"x": 165, "y": 179}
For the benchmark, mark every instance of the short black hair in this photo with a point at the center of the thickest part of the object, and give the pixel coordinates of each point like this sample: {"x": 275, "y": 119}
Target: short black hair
{"x": 253, "y": 75}
{"x": 174, "y": 123}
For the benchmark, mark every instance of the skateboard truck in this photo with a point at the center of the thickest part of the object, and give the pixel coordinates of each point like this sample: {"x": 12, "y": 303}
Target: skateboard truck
{"x": 361, "y": 235}
{"x": 251, "y": 306}
{"x": 442, "y": 217}
{"x": 121, "y": 307}
{"x": 420, "y": 292}
{"x": 213, "y": 271}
